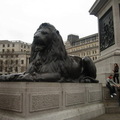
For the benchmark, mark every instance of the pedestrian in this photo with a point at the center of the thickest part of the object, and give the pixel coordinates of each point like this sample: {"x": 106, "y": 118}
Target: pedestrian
{"x": 116, "y": 73}
{"x": 111, "y": 86}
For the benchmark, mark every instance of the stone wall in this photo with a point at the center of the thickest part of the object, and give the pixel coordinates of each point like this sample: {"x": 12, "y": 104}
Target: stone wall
{"x": 50, "y": 101}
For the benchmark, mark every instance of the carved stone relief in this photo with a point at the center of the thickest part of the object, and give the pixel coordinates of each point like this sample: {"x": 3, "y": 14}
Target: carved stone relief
{"x": 40, "y": 102}
{"x": 94, "y": 96}
{"x": 75, "y": 98}
{"x": 106, "y": 30}
{"x": 11, "y": 102}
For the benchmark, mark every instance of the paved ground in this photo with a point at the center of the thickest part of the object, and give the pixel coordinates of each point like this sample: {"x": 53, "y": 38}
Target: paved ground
{"x": 108, "y": 117}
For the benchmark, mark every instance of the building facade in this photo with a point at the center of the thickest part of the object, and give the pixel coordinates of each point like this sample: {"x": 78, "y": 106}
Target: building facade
{"x": 86, "y": 46}
{"x": 14, "y": 56}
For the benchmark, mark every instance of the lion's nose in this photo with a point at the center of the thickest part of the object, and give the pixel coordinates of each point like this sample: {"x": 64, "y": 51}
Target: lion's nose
{"x": 36, "y": 37}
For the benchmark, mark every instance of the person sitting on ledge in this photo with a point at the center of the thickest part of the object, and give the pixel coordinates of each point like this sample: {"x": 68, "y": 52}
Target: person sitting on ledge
{"x": 111, "y": 86}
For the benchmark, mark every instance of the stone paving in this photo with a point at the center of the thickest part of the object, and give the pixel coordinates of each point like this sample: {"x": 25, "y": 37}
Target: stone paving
{"x": 108, "y": 117}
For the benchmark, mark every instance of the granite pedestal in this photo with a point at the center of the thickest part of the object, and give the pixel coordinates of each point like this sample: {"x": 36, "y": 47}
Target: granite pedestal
{"x": 50, "y": 101}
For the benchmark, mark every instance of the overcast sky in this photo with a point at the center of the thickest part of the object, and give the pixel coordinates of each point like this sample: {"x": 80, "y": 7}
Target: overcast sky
{"x": 19, "y": 19}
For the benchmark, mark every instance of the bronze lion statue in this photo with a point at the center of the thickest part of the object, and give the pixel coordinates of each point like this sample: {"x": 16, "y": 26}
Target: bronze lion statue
{"x": 50, "y": 62}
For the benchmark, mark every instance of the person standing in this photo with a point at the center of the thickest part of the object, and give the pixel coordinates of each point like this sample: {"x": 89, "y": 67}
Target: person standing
{"x": 116, "y": 73}
{"x": 111, "y": 86}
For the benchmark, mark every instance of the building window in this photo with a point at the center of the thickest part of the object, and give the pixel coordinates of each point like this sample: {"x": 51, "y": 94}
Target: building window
{"x": 22, "y": 61}
{"x": 12, "y": 50}
{"x": 5, "y": 69}
{"x": 0, "y": 68}
{"x": 3, "y": 45}
{"x": 6, "y": 62}
{"x": 8, "y": 45}
{"x": 10, "y": 69}
{"x": 16, "y": 61}
{"x": 16, "y": 69}
{"x": 13, "y": 45}
{"x": 11, "y": 61}
{"x": 3, "y": 50}
{"x": 1, "y": 62}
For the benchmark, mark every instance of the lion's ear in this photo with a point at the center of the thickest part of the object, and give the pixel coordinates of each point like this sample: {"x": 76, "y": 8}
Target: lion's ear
{"x": 57, "y": 32}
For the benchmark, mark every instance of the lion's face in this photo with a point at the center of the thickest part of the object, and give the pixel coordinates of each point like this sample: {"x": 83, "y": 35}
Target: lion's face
{"x": 42, "y": 38}
{"x": 48, "y": 43}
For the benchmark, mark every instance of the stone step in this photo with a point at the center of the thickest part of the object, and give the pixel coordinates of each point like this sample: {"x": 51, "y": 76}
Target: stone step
{"x": 106, "y": 94}
{"x": 108, "y": 117}
{"x": 114, "y": 104}
{"x": 111, "y": 109}
{"x": 111, "y": 100}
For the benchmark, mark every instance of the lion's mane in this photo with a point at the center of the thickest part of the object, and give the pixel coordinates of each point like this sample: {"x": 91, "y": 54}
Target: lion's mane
{"x": 55, "y": 48}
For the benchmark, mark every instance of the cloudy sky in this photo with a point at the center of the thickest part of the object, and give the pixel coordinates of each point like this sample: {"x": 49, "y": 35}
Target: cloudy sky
{"x": 19, "y": 19}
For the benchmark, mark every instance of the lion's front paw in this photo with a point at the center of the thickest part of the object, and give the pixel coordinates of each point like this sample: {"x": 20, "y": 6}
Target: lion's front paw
{"x": 25, "y": 77}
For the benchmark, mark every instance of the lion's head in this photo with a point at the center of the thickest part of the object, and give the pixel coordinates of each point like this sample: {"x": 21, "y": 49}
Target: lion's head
{"x": 48, "y": 41}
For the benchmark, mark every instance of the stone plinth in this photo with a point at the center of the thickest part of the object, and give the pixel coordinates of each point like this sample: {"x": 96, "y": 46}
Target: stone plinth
{"x": 107, "y": 12}
{"x": 50, "y": 101}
